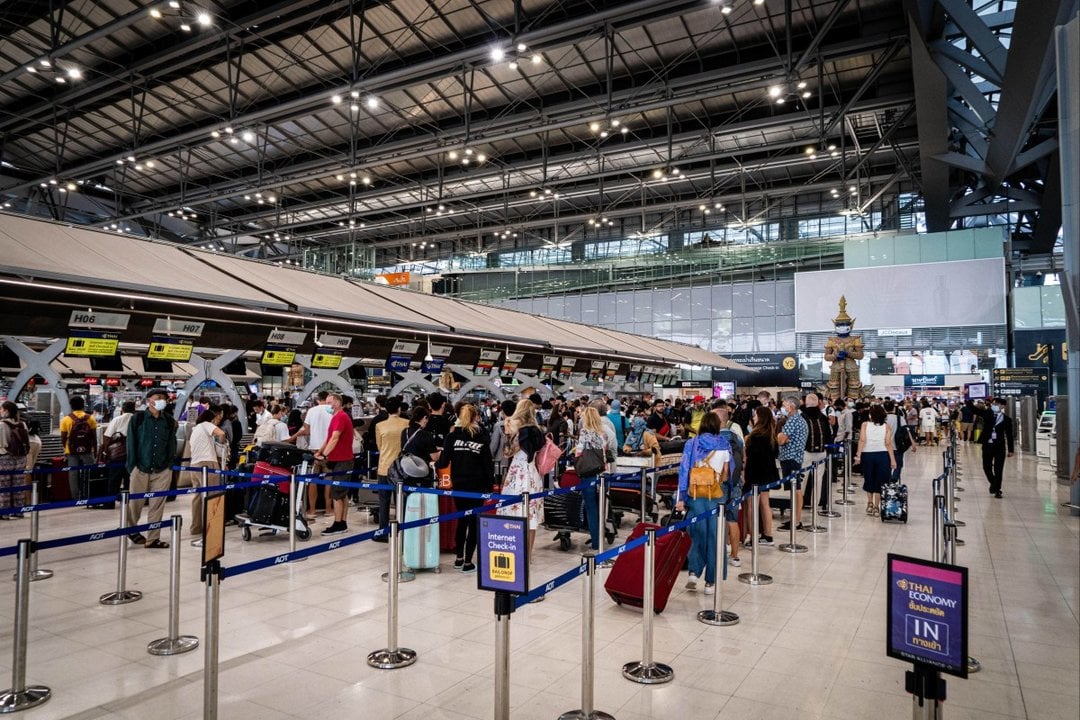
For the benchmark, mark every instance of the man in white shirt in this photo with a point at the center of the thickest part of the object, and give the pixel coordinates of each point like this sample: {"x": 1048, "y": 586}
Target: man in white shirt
{"x": 316, "y": 426}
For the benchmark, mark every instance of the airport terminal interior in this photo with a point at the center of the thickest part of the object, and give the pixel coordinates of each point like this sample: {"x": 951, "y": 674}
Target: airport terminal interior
{"x": 637, "y": 260}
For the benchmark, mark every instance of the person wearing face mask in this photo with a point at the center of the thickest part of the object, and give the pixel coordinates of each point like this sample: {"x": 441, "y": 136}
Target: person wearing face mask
{"x": 997, "y": 441}
{"x": 151, "y": 450}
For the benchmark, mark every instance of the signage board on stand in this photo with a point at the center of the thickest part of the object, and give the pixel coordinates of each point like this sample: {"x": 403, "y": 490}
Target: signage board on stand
{"x": 503, "y": 556}
{"x": 928, "y": 613}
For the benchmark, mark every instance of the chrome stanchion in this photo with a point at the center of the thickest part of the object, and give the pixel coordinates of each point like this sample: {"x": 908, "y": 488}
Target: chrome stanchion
{"x": 392, "y": 656}
{"x": 602, "y": 504}
{"x": 813, "y": 527}
{"x": 35, "y": 574}
{"x": 19, "y": 696}
{"x": 849, "y": 480}
{"x": 405, "y": 574}
{"x": 504, "y": 606}
{"x": 790, "y": 546}
{"x": 938, "y": 529}
{"x": 212, "y": 576}
{"x": 292, "y": 512}
{"x": 719, "y": 616}
{"x": 845, "y": 449}
{"x": 122, "y": 595}
{"x": 175, "y": 643}
{"x": 826, "y": 490}
{"x": 754, "y": 577}
{"x": 646, "y": 671}
{"x": 642, "y": 517}
{"x": 588, "y": 631}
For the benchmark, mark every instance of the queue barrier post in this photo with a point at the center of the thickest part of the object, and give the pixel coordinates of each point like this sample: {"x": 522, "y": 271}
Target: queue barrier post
{"x": 35, "y": 573}
{"x": 504, "y": 607}
{"x": 938, "y": 529}
{"x": 291, "y": 515}
{"x": 754, "y": 577}
{"x": 212, "y": 576}
{"x": 848, "y": 471}
{"x": 826, "y": 489}
{"x": 719, "y": 616}
{"x": 790, "y": 546}
{"x": 405, "y": 574}
{"x": 588, "y": 633}
{"x": 642, "y": 516}
{"x": 392, "y": 656}
{"x": 813, "y": 527}
{"x": 845, "y": 448}
{"x": 601, "y": 511}
{"x": 175, "y": 643}
{"x": 122, "y": 595}
{"x": 19, "y": 696}
{"x": 646, "y": 671}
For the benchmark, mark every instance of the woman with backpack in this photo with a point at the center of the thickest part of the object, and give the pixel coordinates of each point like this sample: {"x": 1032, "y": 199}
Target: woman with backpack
{"x": 14, "y": 447}
{"x": 705, "y": 481}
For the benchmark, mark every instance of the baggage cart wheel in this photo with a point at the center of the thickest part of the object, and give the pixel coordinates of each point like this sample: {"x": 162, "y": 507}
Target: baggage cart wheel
{"x": 245, "y": 532}
{"x": 304, "y": 534}
{"x": 564, "y": 542}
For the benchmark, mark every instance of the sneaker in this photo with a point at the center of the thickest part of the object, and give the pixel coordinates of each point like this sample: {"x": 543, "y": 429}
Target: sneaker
{"x": 539, "y": 599}
{"x": 787, "y": 526}
{"x": 710, "y": 589}
{"x": 748, "y": 542}
{"x": 458, "y": 562}
{"x": 691, "y": 582}
{"x": 468, "y": 568}
{"x": 197, "y": 543}
{"x": 765, "y": 540}
{"x": 380, "y": 539}
{"x": 337, "y": 528}
{"x": 734, "y": 562}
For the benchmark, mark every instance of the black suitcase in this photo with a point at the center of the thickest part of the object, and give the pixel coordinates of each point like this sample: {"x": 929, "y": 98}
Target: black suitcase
{"x": 565, "y": 512}
{"x": 269, "y": 506}
{"x": 281, "y": 454}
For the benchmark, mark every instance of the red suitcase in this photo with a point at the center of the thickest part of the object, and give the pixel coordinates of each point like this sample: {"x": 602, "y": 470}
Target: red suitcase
{"x": 264, "y": 469}
{"x": 625, "y": 583}
{"x": 447, "y": 530}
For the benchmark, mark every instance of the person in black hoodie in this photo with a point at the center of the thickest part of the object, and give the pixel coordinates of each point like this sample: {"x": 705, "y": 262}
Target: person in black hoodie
{"x": 468, "y": 453}
{"x": 997, "y": 441}
{"x": 819, "y": 433}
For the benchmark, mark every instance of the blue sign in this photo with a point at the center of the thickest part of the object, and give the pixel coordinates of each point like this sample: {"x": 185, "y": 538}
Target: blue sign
{"x": 398, "y": 363}
{"x": 927, "y": 613}
{"x": 432, "y": 367}
{"x": 503, "y": 554}
{"x": 924, "y": 381}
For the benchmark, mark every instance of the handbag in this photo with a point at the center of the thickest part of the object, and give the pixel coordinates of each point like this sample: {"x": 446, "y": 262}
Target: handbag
{"x": 443, "y": 475}
{"x": 591, "y": 461}
{"x": 548, "y": 456}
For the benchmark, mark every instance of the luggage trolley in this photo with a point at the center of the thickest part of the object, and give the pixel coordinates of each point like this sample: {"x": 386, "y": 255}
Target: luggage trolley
{"x": 268, "y": 508}
{"x": 565, "y": 514}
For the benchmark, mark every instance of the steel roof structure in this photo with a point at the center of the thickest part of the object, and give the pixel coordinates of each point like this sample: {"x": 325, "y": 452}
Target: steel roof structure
{"x": 266, "y": 128}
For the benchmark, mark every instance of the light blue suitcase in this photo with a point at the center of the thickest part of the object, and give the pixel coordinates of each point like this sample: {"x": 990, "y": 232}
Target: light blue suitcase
{"x": 422, "y": 544}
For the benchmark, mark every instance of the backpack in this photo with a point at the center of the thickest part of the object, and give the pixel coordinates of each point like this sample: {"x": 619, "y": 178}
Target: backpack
{"x": 737, "y": 445}
{"x": 902, "y": 438}
{"x": 18, "y": 439}
{"x": 265, "y": 432}
{"x": 706, "y": 482}
{"x": 80, "y": 437}
{"x": 817, "y": 434}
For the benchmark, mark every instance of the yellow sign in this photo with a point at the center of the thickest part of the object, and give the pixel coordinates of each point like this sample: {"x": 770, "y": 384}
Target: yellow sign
{"x": 278, "y": 357}
{"x": 104, "y": 346}
{"x": 327, "y": 361}
{"x": 174, "y": 351}
{"x": 789, "y": 363}
{"x": 501, "y": 566}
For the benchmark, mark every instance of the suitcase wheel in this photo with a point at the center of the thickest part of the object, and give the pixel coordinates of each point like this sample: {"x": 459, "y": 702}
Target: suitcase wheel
{"x": 245, "y": 532}
{"x": 304, "y": 534}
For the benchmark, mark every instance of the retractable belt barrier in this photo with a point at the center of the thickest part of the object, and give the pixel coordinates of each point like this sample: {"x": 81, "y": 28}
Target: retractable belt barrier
{"x": 65, "y": 468}
{"x": 88, "y": 537}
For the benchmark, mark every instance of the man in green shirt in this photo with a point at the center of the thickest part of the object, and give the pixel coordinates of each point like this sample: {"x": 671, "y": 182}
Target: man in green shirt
{"x": 151, "y": 450}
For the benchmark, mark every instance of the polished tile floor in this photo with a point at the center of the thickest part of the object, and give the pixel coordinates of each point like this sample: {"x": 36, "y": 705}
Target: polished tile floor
{"x": 294, "y": 639}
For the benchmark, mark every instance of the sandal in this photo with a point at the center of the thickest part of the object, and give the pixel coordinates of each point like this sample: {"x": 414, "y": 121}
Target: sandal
{"x": 157, "y": 545}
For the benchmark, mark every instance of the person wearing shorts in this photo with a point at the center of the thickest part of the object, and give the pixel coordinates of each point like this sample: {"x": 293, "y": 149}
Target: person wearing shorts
{"x": 338, "y": 455}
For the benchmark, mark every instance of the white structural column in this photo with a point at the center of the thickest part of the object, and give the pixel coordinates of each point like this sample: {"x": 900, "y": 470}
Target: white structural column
{"x": 39, "y": 363}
